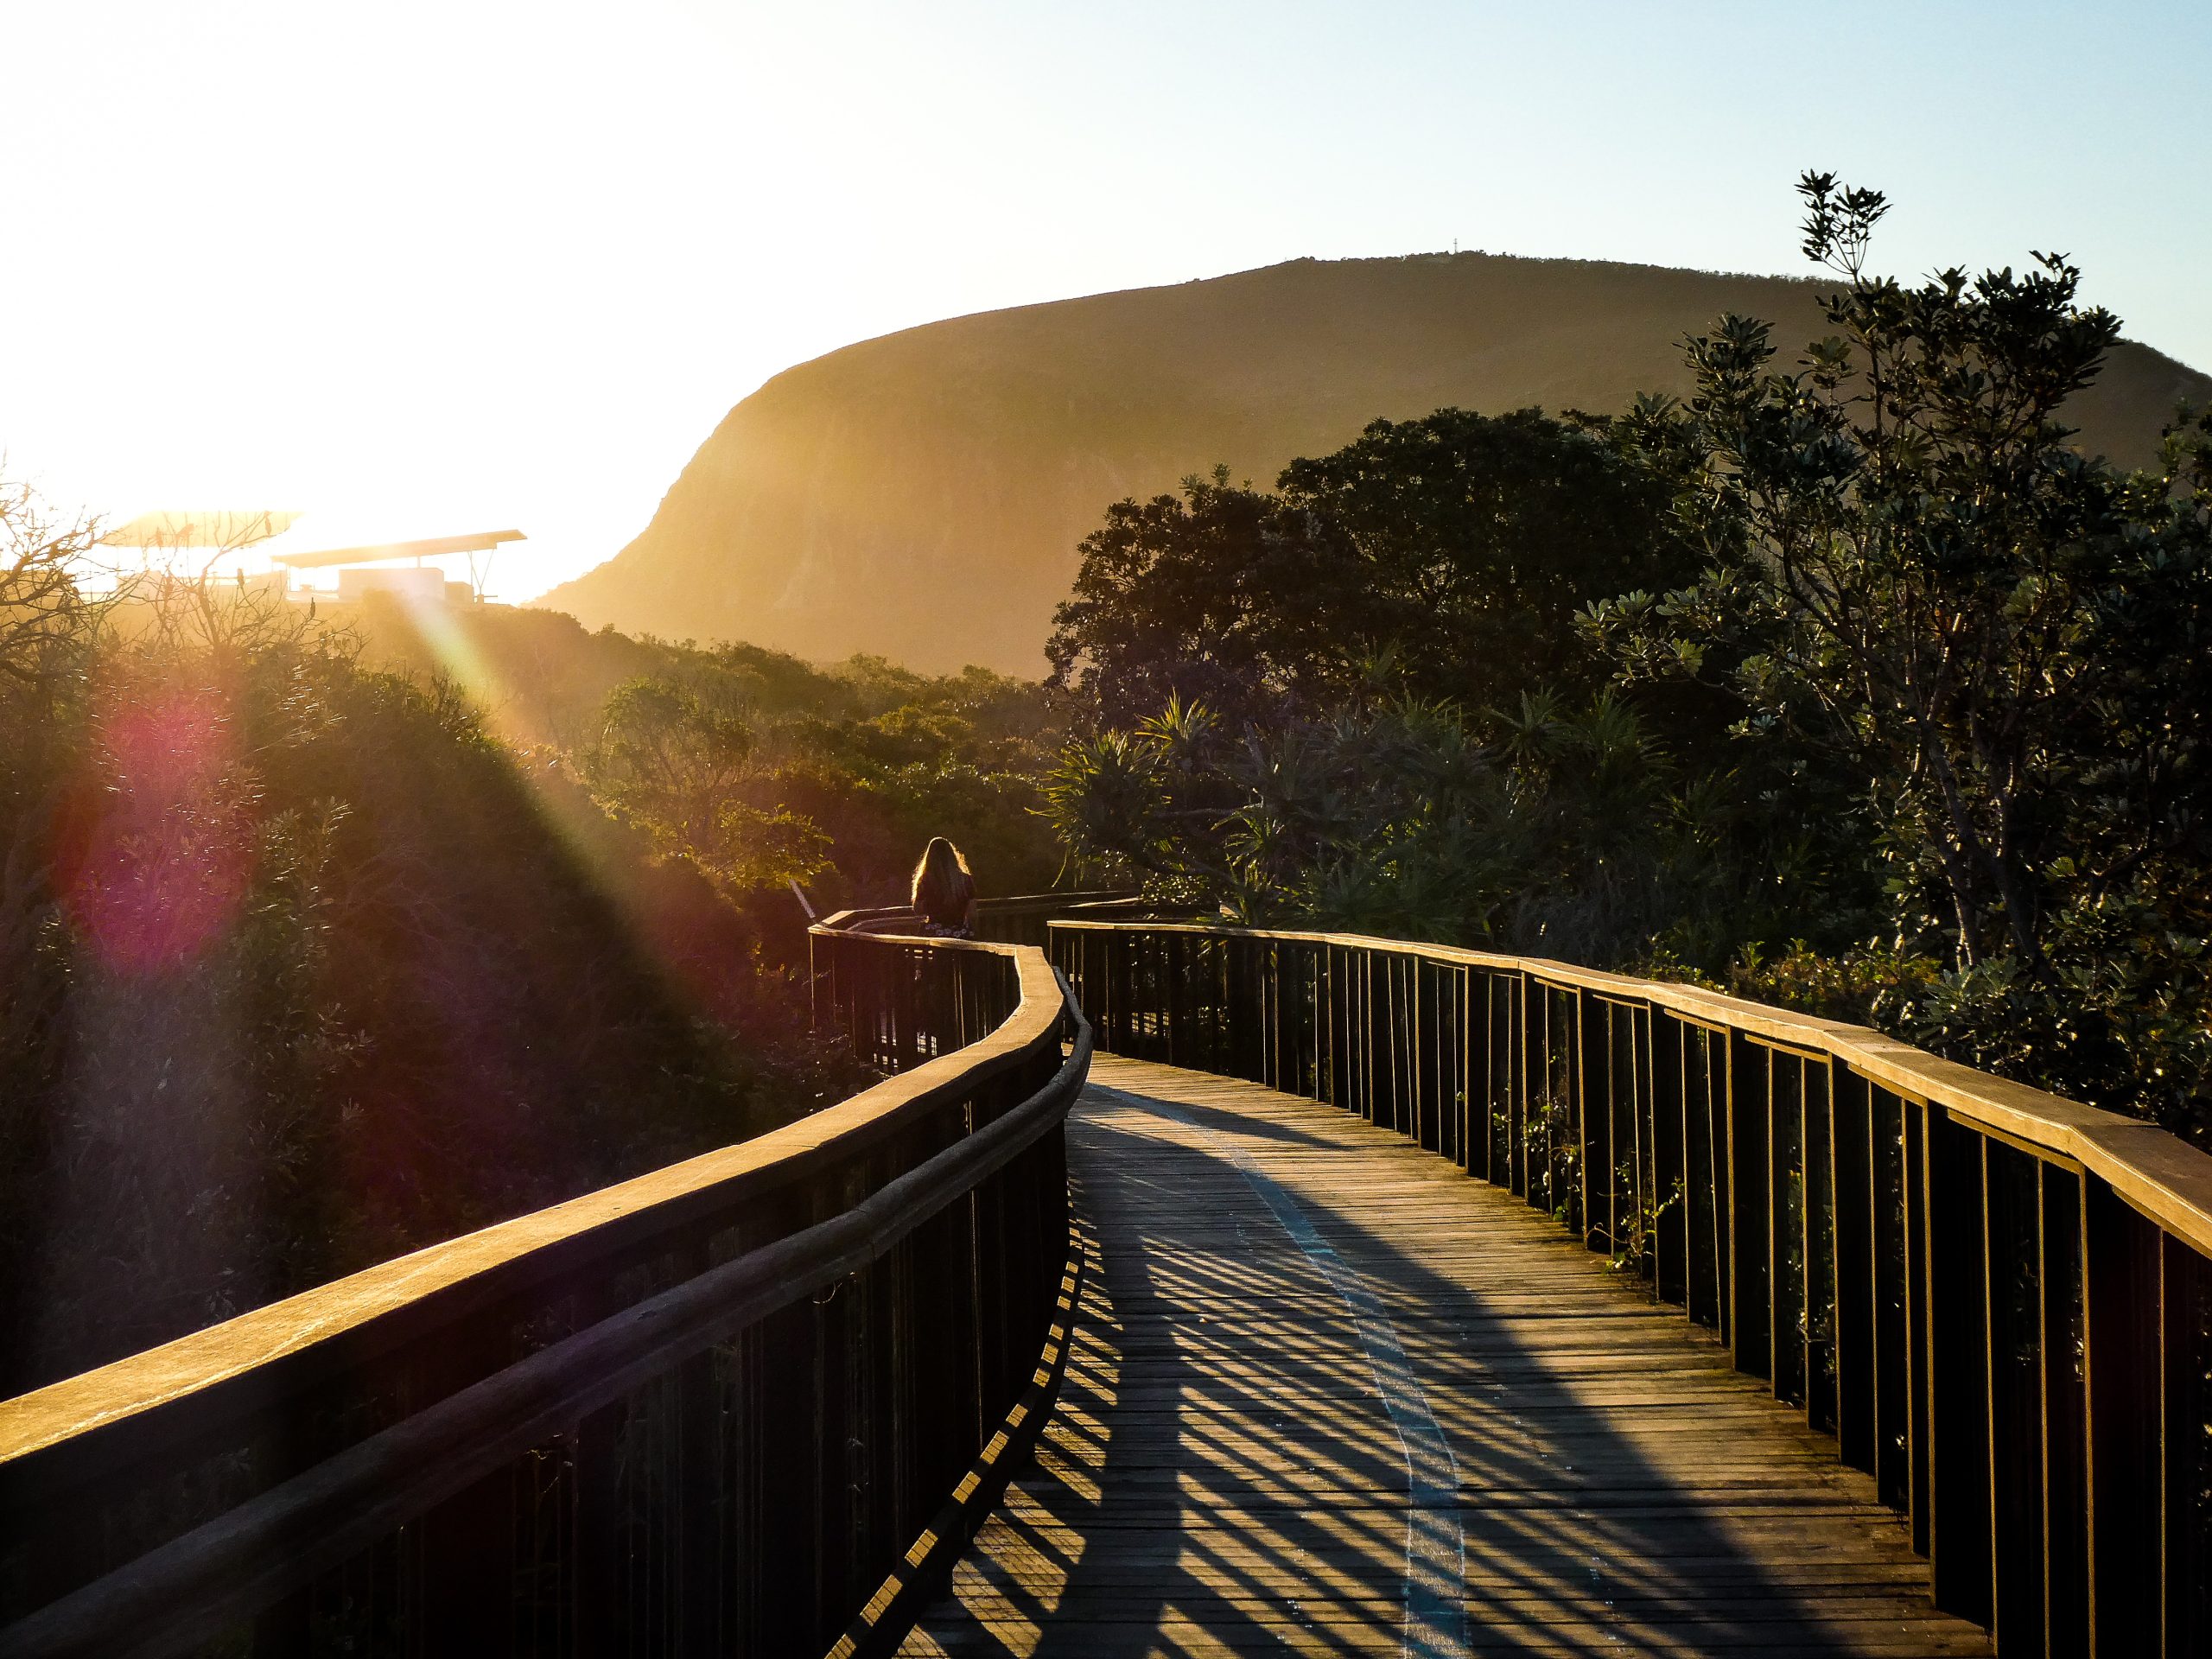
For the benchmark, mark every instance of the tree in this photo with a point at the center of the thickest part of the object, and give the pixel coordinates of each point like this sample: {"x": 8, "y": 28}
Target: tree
{"x": 45, "y": 616}
{"x": 2002, "y": 641}
{"x": 1438, "y": 558}
{"x": 1222, "y": 596}
{"x": 1475, "y": 539}
{"x": 676, "y": 766}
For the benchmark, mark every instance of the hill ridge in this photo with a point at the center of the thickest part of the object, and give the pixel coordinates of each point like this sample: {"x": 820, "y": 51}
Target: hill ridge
{"x": 919, "y": 495}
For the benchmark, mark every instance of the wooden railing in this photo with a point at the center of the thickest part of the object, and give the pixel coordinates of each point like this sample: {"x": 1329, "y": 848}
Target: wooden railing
{"x": 743, "y": 1405}
{"x": 1017, "y": 919}
{"x": 1994, "y": 1298}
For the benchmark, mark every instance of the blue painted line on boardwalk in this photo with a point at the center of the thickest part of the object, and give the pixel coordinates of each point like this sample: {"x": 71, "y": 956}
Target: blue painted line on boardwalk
{"x": 1436, "y": 1545}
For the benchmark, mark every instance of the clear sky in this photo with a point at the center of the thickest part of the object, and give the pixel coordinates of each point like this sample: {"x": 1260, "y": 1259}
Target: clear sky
{"x": 423, "y": 267}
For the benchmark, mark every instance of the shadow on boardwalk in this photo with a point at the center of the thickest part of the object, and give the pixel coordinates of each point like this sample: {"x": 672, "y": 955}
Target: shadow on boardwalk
{"x": 1229, "y": 1471}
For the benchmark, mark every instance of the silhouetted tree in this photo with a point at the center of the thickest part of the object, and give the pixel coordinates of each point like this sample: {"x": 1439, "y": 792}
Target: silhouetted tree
{"x": 1443, "y": 557}
{"x": 2003, "y": 641}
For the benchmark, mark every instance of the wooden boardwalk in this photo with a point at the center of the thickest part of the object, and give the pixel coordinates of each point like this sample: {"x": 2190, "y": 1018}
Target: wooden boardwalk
{"x": 1329, "y": 1395}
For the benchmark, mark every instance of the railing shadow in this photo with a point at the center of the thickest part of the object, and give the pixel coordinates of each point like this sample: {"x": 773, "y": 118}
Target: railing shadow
{"x": 1226, "y": 1479}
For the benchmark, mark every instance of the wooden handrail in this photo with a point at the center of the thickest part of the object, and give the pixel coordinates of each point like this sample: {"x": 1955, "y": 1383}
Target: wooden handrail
{"x": 2160, "y": 1174}
{"x": 1008, "y": 919}
{"x": 392, "y": 1397}
{"x": 382, "y": 1307}
{"x": 194, "y": 1588}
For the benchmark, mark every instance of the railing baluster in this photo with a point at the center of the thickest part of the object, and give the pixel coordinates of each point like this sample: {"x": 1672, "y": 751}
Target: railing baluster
{"x": 2013, "y": 1303}
{"x": 2122, "y": 1348}
{"x": 1666, "y": 1109}
{"x": 1855, "y": 1270}
{"x": 1788, "y": 1299}
{"x": 1590, "y": 1186}
{"x": 1959, "y": 1370}
{"x": 697, "y": 1567}
{"x": 2182, "y": 1283}
{"x": 1705, "y": 1135}
{"x": 1816, "y": 1139}
{"x": 2065, "y": 1448}
{"x": 1749, "y": 1204}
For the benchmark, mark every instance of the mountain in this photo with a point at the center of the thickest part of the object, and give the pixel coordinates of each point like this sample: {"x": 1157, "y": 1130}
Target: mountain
{"x": 921, "y": 496}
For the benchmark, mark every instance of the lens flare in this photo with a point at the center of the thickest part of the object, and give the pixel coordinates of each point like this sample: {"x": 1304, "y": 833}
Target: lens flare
{"x": 157, "y": 845}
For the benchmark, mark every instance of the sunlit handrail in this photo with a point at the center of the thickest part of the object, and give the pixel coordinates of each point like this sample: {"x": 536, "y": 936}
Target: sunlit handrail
{"x": 408, "y": 1387}
{"x": 2160, "y": 1174}
{"x": 1998, "y": 1300}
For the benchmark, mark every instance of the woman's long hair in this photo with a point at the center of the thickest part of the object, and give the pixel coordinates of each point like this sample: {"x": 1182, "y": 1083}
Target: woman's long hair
{"x": 943, "y": 888}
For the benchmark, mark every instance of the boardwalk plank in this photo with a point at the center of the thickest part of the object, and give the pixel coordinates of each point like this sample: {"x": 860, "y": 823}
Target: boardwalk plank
{"x": 1226, "y": 1475}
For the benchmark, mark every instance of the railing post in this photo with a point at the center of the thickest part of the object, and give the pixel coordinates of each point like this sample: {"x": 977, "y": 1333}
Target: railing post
{"x": 1519, "y": 1086}
{"x": 2122, "y": 1339}
{"x": 2012, "y": 1305}
{"x": 1788, "y": 1299}
{"x": 1504, "y": 1082}
{"x": 1664, "y": 1038}
{"x": 1332, "y": 1025}
{"x": 1851, "y": 1178}
{"x": 1893, "y": 1408}
{"x": 1593, "y": 1100}
{"x": 1243, "y": 993}
{"x": 989, "y": 1207}
{"x": 1919, "y": 1410}
{"x": 2065, "y": 1448}
{"x": 1405, "y": 1048}
{"x": 1471, "y": 1013}
{"x": 1958, "y": 1356}
{"x": 1359, "y": 1030}
{"x": 597, "y": 1583}
{"x": 2184, "y": 1279}
{"x": 1816, "y": 1142}
{"x": 1431, "y": 1055}
{"x": 1705, "y": 1135}
{"x": 783, "y": 1595}
{"x": 697, "y": 1432}
{"x": 468, "y": 1562}
{"x": 1747, "y": 1203}
{"x": 466, "y": 1550}
{"x": 1119, "y": 1032}
{"x": 838, "y": 1586}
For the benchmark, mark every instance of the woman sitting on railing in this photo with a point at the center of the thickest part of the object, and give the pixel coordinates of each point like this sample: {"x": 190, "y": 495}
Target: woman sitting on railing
{"x": 944, "y": 892}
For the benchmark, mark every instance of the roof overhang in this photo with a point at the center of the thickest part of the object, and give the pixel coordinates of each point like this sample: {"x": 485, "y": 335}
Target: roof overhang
{"x": 376, "y": 553}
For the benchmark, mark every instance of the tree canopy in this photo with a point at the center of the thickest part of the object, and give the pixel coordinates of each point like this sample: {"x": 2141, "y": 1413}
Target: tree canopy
{"x": 1848, "y": 679}
{"x": 1443, "y": 558}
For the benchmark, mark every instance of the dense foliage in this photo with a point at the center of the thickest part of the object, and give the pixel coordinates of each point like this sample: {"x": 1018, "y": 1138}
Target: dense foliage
{"x": 304, "y": 968}
{"x": 1445, "y": 556}
{"x": 2001, "y": 644}
{"x": 1560, "y": 829}
{"x": 1847, "y": 682}
{"x": 323, "y": 937}
{"x": 837, "y": 790}
{"x": 752, "y": 768}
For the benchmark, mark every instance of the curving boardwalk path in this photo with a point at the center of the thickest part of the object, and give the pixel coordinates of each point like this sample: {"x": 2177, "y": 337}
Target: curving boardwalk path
{"x": 1329, "y": 1395}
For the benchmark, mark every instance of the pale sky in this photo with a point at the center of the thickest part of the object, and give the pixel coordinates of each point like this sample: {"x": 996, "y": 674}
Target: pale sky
{"x": 420, "y": 268}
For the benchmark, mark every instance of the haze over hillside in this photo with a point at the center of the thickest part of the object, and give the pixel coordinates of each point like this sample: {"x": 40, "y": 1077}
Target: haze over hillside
{"x": 921, "y": 495}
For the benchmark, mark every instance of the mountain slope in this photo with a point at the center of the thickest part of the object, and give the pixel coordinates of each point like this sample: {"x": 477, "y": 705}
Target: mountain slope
{"x": 921, "y": 495}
